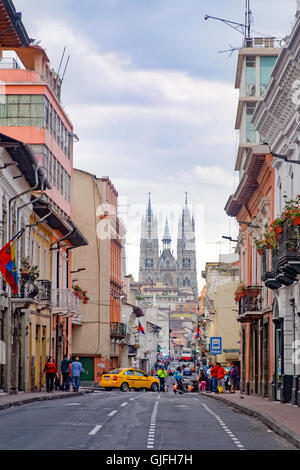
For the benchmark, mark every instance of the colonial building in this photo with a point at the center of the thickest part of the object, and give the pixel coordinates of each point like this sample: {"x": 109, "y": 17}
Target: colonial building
{"x": 277, "y": 119}
{"x": 156, "y": 266}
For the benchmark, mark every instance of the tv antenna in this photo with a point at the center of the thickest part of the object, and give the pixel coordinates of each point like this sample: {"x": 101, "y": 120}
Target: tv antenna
{"x": 231, "y": 50}
{"x": 61, "y": 62}
{"x": 244, "y": 29}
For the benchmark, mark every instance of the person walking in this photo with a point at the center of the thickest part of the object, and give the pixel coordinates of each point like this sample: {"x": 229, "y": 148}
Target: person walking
{"x": 209, "y": 379}
{"x": 76, "y": 374}
{"x": 214, "y": 377}
{"x": 51, "y": 372}
{"x": 65, "y": 370}
{"x": 227, "y": 377}
{"x": 162, "y": 374}
{"x": 233, "y": 373}
{"x": 202, "y": 381}
{"x": 220, "y": 377}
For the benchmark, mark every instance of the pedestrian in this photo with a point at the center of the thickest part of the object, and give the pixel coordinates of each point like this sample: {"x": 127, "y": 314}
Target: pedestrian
{"x": 220, "y": 377}
{"x": 51, "y": 372}
{"x": 65, "y": 370}
{"x": 214, "y": 377}
{"x": 227, "y": 377}
{"x": 162, "y": 374}
{"x": 202, "y": 381}
{"x": 209, "y": 379}
{"x": 76, "y": 373}
{"x": 233, "y": 373}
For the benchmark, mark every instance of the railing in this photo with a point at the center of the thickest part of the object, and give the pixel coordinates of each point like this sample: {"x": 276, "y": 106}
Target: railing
{"x": 27, "y": 289}
{"x": 289, "y": 244}
{"x": 9, "y": 63}
{"x": 65, "y": 302}
{"x": 117, "y": 330}
{"x": 252, "y": 301}
{"x": 262, "y": 42}
{"x": 44, "y": 290}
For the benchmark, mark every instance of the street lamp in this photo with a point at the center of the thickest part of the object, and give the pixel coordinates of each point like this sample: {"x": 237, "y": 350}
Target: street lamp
{"x": 230, "y": 238}
{"x": 78, "y": 270}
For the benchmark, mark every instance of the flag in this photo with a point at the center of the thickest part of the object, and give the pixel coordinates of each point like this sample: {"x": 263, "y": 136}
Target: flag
{"x": 197, "y": 331}
{"x": 140, "y": 329}
{"x": 8, "y": 265}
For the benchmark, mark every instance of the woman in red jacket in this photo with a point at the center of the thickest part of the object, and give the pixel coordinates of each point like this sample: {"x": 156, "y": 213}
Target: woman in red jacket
{"x": 51, "y": 371}
{"x": 220, "y": 375}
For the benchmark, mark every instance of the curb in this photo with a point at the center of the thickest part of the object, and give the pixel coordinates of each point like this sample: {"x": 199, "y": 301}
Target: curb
{"x": 271, "y": 423}
{"x": 12, "y": 404}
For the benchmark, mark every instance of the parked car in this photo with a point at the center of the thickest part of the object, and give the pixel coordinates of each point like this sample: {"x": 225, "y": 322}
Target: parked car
{"x": 125, "y": 379}
{"x": 187, "y": 371}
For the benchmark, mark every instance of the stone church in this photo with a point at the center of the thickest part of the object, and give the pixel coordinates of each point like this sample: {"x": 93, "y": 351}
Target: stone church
{"x": 161, "y": 266}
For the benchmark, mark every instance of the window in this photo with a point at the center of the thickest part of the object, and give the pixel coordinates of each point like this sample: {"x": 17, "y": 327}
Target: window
{"x": 45, "y": 263}
{"x": 129, "y": 372}
{"x": 250, "y": 76}
{"x": 266, "y": 67}
{"x": 140, "y": 373}
{"x": 250, "y": 129}
{"x": 54, "y": 171}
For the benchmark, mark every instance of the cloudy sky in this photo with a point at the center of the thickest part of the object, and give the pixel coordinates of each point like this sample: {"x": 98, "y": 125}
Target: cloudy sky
{"x": 153, "y": 102}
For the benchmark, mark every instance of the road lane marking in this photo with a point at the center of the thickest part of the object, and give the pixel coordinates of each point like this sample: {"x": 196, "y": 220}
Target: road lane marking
{"x": 125, "y": 403}
{"x": 113, "y": 413}
{"x": 95, "y": 430}
{"x": 151, "y": 433}
{"x": 225, "y": 428}
{"x": 71, "y": 404}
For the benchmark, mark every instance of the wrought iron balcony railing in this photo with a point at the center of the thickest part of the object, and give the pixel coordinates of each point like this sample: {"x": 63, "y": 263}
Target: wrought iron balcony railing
{"x": 117, "y": 330}
{"x": 29, "y": 288}
{"x": 252, "y": 301}
{"x": 285, "y": 259}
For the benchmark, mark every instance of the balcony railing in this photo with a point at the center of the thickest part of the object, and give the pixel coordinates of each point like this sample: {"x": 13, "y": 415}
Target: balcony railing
{"x": 285, "y": 259}
{"x": 29, "y": 288}
{"x": 65, "y": 302}
{"x": 117, "y": 330}
{"x": 9, "y": 63}
{"x": 250, "y": 306}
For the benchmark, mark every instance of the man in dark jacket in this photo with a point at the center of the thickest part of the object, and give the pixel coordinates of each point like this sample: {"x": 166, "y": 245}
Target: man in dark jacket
{"x": 65, "y": 370}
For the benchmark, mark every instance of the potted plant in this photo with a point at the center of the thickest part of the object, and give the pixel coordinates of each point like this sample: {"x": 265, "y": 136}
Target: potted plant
{"x": 25, "y": 266}
{"x": 34, "y": 271}
{"x": 254, "y": 291}
{"x": 276, "y": 225}
{"x": 259, "y": 246}
{"x": 77, "y": 290}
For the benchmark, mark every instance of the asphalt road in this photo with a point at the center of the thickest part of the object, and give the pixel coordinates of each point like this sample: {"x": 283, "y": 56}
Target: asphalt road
{"x": 133, "y": 421}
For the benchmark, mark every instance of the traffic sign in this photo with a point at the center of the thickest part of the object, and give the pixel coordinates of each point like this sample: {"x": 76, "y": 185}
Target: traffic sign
{"x": 216, "y": 345}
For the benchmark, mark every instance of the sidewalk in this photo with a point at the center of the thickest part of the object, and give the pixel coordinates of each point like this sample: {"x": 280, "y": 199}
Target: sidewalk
{"x": 22, "y": 398}
{"x": 284, "y": 419}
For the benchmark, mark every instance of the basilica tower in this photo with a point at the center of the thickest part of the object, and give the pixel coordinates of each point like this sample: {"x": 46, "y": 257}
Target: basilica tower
{"x": 149, "y": 248}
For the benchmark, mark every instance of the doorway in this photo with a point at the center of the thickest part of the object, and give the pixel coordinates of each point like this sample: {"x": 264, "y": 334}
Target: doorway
{"x": 278, "y": 356}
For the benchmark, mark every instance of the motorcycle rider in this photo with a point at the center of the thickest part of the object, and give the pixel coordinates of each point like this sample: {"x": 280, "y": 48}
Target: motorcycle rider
{"x": 178, "y": 377}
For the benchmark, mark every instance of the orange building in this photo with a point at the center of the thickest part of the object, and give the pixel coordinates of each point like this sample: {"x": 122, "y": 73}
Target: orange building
{"x": 32, "y": 113}
{"x": 253, "y": 206}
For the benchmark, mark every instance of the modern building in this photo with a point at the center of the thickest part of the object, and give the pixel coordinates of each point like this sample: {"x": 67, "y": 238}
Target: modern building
{"x": 277, "y": 120}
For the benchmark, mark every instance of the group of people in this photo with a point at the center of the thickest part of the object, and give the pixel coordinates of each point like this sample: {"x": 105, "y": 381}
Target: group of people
{"x": 214, "y": 378}
{"x": 71, "y": 371}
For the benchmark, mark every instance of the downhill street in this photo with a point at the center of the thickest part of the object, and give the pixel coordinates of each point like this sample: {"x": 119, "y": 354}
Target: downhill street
{"x": 133, "y": 421}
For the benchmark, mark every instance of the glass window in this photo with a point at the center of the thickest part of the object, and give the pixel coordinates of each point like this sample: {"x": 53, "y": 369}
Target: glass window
{"x": 140, "y": 373}
{"x": 250, "y": 129}
{"x": 54, "y": 171}
{"x": 57, "y": 174}
{"x": 129, "y": 372}
{"x": 250, "y": 76}
{"x": 266, "y": 67}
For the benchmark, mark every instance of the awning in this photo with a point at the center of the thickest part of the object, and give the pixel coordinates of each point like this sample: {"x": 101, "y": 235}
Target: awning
{"x": 25, "y": 158}
{"x": 64, "y": 225}
{"x": 12, "y": 30}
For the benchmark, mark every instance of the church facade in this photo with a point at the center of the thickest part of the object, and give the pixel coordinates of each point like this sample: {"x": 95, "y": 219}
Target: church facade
{"x": 162, "y": 266}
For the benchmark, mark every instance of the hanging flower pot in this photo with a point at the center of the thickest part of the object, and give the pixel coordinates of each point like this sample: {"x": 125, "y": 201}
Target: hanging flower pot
{"x": 76, "y": 292}
{"x": 85, "y": 301}
{"x": 81, "y": 295}
{"x": 296, "y": 220}
{"x": 260, "y": 251}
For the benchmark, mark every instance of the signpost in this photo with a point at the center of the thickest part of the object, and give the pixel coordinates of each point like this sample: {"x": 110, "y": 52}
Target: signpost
{"x": 215, "y": 345}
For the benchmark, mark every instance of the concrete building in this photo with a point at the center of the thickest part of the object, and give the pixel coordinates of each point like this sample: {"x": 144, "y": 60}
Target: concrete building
{"x": 91, "y": 336}
{"x": 277, "y": 120}
{"x": 220, "y": 308}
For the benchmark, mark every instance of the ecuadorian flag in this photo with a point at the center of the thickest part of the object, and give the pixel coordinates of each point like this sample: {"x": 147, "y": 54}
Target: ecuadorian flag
{"x": 8, "y": 265}
{"x": 140, "y": 329}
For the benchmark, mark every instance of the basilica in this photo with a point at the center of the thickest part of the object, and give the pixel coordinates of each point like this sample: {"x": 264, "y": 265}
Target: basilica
{"x": 161, "y": 266}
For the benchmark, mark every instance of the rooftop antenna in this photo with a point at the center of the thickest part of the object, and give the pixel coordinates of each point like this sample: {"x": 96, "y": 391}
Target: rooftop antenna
{"x": 65, "y": 69}
{"x": 244, "y": 29}
{"x": 62, "y": 58}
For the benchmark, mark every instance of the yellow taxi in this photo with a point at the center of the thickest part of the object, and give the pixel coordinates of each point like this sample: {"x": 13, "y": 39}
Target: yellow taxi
{"x": 125, "y": 379}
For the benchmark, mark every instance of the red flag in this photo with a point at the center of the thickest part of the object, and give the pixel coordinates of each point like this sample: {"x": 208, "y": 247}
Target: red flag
{"x": 8, "y": 265}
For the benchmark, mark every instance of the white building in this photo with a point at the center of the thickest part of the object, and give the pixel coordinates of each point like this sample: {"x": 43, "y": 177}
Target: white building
{"x": 277, "y": 118}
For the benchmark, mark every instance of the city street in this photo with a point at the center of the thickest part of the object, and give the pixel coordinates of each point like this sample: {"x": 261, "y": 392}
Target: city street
{"x": 133, "y": 421}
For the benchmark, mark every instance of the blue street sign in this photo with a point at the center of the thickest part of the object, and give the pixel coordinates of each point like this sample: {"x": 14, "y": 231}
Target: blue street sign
{"x": 216, "y": 345}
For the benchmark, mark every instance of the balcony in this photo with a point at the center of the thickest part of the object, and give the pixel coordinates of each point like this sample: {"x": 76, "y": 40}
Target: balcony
{"x": 117, "y": 330}
{"x": 250, "y": 306}
{"x": 132, "y": 350}
{"x": 29, "y": 288}
{"x": 285, "y": 259}
{"x": 64, "y": 302}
